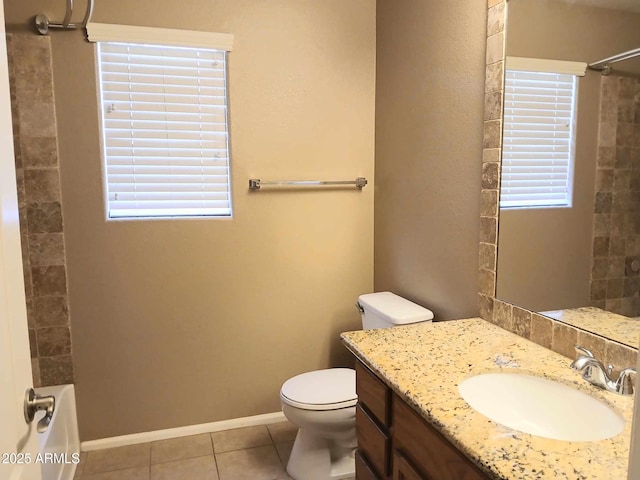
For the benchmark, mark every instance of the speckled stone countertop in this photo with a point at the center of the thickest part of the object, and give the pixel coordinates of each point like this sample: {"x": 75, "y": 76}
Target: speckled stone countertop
{"x": 622, "y": 329}
{"x": 424, "y": 363}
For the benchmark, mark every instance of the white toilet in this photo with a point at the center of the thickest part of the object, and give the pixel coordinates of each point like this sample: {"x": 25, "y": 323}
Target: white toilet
{"x": 322, "y": 403}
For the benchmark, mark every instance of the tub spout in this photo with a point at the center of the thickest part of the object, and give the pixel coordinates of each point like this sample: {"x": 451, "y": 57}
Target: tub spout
{"x": 44, "y": 422}
{"x": 33, "y": 403}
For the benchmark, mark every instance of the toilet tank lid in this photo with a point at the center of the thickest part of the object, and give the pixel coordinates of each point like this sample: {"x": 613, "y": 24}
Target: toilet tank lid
{"x": 394, "y": 308}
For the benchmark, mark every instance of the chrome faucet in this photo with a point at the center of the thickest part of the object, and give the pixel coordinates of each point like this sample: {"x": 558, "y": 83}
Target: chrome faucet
{"x": 594, "y": 372}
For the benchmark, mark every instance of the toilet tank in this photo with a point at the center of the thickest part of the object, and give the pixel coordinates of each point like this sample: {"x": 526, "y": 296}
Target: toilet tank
{"x": 386, "y": 309}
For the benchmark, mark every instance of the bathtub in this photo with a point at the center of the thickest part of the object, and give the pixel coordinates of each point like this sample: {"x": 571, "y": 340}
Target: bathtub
{"x": 61, "y": 438}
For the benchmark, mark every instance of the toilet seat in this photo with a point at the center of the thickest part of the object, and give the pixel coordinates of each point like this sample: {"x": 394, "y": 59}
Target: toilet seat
{"x": 329, "y": 389}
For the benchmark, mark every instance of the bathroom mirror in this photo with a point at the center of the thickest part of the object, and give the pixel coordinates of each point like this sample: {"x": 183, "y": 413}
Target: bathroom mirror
{"x": 585, "y": 256}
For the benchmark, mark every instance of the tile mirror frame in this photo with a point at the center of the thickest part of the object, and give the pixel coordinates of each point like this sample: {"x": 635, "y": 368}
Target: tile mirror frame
{"x": 555, "y": 335}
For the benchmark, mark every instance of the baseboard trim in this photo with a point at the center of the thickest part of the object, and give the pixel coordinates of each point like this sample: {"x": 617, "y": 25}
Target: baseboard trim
{"x": 155, "y": 435}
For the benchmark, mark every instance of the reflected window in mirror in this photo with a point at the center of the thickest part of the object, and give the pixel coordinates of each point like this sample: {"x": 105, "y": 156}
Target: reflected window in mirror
{"x": 539, "y": 133}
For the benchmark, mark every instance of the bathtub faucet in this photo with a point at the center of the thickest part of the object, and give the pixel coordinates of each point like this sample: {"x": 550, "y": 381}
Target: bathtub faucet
{"x": 33, "y": 403}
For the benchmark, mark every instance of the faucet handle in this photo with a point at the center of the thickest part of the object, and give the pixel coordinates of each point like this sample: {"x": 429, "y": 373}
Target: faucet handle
{"x": 624, "y": 384}
{"x": 582, "y": 360}
{"x": 584, "y": 351}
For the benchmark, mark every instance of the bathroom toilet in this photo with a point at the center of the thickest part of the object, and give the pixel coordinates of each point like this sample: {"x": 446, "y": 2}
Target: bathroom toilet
{"x": 322, "y": 403}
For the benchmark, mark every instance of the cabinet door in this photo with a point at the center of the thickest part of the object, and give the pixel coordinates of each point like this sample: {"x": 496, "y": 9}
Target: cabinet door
{"x": 402, "y": 469}
{"x": 427, "y": 449}
{"x": 364, "y": 470}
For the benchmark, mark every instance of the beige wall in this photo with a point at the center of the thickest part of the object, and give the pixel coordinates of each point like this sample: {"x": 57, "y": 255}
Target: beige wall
{"x": 429, "y": 104}
{"x": 185, "y": 322}
{"x": 556, "y": 270}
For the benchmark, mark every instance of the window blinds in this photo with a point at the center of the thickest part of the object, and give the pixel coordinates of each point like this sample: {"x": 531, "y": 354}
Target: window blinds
{"x": 539, "y": 119}
{"x": 165, "y": 130}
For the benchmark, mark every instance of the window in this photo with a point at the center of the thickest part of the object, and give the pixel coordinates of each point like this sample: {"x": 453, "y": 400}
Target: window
{"x": 539, "y": 133}
{"x": 165, "y": 129}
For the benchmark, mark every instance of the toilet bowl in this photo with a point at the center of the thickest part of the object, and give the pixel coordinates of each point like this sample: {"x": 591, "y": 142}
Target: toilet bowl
{"x": 322, "y": 403}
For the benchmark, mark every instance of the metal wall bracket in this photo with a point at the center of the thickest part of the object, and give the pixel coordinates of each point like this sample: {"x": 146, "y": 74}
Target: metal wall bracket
{"x": 43, "y": 24}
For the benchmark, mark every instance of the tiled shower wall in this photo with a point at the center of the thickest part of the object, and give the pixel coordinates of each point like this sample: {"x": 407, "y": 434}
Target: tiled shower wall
{"x": 39, "y": 199}
{"x": 615, "y": 274}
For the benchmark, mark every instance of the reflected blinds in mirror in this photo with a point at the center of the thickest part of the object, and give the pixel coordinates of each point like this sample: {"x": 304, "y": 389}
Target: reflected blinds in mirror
{"x": 539, "y": 125}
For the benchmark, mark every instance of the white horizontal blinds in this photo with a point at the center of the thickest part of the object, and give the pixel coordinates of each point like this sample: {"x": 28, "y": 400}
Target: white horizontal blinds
{"x": 537, "y": 156}
{"x": 165, "y": 130}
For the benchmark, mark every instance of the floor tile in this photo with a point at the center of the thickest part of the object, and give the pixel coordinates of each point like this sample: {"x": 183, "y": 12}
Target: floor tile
{"x": 282, "y": 431}
{"x": 80, "y": 466}
{"x": 251, "y": 453}
{"x": 200, "y": 468}
{"x": 138, "y": 473}
{"x": 260, "y": 463}
{"x": 181, "y": 448}
{"x": 240, "y": 438}
{"x": 117, "y": 458}
{"x": 284, "y": 451}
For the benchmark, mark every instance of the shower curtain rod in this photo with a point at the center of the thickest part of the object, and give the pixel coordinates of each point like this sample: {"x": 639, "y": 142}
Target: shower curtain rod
{"x": 43, "y": 24}
{"x": 604, "y": 64}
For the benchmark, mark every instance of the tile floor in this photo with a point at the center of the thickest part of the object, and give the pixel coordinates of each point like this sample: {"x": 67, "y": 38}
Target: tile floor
{"x": 251, "y": 453}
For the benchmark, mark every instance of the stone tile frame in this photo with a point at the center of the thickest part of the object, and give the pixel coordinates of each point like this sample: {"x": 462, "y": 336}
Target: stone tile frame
{"x": 544, "y": 331}
{"x": 40, "y": 207}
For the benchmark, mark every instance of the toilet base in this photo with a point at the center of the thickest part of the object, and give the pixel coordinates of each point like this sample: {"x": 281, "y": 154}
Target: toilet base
{"x": 313, "y": 459}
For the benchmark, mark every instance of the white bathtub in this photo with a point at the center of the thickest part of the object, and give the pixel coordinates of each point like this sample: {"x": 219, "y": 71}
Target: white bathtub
{"x": 61, "y": 438}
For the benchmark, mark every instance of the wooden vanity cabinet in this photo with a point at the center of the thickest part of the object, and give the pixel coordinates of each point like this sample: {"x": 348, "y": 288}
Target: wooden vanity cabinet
{"x": 396, "y": 443}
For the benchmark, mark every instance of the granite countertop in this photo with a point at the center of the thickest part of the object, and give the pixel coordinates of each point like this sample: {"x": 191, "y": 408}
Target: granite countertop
{"x": 424, "y": 363}
{"x": 616, "y": 327}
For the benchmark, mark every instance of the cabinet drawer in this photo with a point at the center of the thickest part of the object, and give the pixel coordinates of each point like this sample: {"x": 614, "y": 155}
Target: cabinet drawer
{"x": 363, "y": 470}
{"x": 373, "y": 443}
{"x": 373, "y": 394}
{"x": 427, "y": 449}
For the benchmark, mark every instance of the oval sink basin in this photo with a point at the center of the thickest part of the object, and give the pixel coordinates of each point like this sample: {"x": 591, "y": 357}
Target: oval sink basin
{"x": 540, "y": 407}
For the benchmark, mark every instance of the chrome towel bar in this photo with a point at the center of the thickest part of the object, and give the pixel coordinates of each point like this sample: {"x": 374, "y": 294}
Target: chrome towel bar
{"x": 256, "y": 183}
